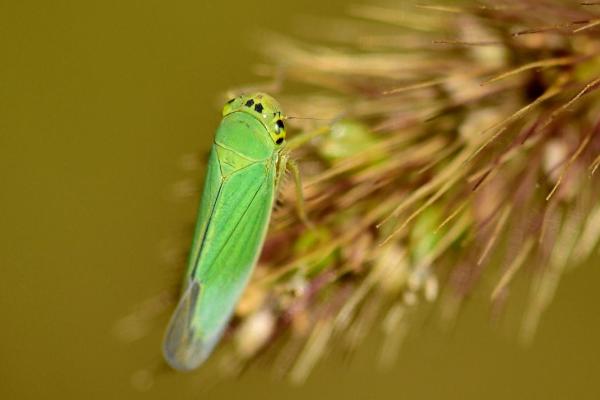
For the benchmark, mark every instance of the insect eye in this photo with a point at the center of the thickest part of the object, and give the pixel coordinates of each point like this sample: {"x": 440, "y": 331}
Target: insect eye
{"x": 258, "y": 108}
{"x": 249, "y": 103}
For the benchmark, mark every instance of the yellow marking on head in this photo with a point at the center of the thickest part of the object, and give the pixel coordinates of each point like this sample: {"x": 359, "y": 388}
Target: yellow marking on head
{"x": 264, "y": 108}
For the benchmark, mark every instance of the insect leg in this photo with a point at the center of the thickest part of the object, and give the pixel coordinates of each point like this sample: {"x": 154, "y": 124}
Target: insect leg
{"x": 280, "y": 171}
{"x": 300, "y": 206}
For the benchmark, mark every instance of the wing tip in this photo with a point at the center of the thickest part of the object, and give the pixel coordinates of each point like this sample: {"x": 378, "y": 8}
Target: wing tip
{"x": 182, "y": 359}
{"x": 183, "y": 349}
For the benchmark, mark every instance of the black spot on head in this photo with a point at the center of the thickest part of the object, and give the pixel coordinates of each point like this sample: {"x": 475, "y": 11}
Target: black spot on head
{"x": 279, "y": 141}
{"x": 280, "y": 124}
{"x": 231, "y": 101}
{"x": 249, "y": 103}
{"x": 258, "y": 108}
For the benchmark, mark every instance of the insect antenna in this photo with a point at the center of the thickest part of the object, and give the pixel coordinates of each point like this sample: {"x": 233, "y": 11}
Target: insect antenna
{"x": 315, "y": 119}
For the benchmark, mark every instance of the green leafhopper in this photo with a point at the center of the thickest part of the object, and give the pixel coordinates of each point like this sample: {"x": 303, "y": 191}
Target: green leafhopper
{"x": 244, "y": 168}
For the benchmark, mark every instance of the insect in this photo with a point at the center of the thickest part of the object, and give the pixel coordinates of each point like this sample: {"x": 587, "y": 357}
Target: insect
{"x": 245, "y": 167}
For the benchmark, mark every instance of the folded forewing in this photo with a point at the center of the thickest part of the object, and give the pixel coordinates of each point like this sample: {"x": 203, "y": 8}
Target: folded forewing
{"x": 224, "y": 256}
{"x": 212, "y": 187}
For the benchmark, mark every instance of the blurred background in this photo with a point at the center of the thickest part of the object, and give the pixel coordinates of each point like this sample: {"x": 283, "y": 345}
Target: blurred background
{"x": 99, "y": 103}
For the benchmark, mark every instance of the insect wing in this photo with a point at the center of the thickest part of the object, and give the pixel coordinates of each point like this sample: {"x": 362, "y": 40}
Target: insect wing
{"x": 233, "y": 238}
{"x": 184, "y": 348}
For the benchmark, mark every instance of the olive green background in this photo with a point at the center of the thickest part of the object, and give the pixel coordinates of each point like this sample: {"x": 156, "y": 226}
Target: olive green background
{"x": 98, "y": 103}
